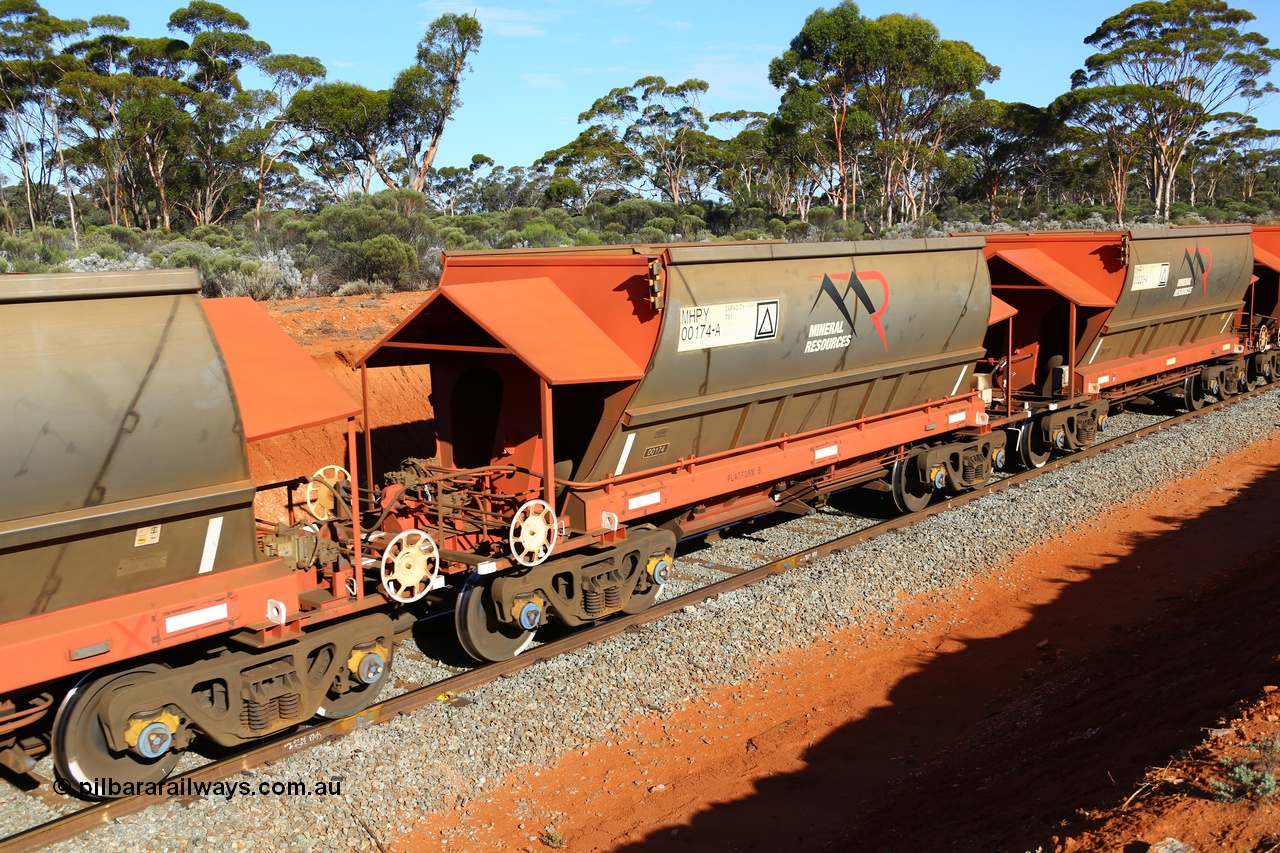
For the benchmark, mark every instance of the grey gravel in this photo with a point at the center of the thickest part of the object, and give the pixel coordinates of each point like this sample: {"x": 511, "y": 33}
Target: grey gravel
{"x": 443, "y": 756}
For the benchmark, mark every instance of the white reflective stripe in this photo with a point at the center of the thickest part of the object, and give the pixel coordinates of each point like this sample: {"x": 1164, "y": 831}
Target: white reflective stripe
{"x": 626, "y": 451}
{"x": 1169, "y": 362}
{"x": 1096, "y": 347}
{"x": 959, "y": 379}
{"x": 1226, "y": 321}
{"x": 211, "y": 537}
{"x": 192, "y": 618}
{"x": 1104, "y": 378}
{"x": 644, "y": 500}
{"x": 825, "y": 452}
{"x": 955, "y": 417}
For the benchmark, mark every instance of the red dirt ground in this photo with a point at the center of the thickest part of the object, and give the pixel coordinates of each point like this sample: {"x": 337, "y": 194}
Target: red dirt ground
{"x": 337, "y": 332}
{"x": 1021, "y": 714}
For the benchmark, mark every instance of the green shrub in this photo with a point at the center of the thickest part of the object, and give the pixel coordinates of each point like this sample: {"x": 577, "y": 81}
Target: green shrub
{"x": 664, "y": 224}
{"x": 51, "y": 254}
{"x": 518, "y": 217}
{"x": 649, "y": 234}
{"x": 632, "y": 214}
{"x": 688, "y": 225}
{"x": 1251, "y": 778}
{"x": 215, "y": 236}
{"x": 126, "y": 238}
{"x": 453, "y": 238}
{"x": 543, "y": 234}
{"x": 822, "y": 218}
{"x": 189, "y": 258}
{"x": 558, "y": 218}
{"x": 109, "y": 251}
{"x": 382, "y": 258}
{"x": 849, "y": 229}
{"x": 27, "y": 265}
{"x": 360, "y": 287}
{"x": 21, "y": 246}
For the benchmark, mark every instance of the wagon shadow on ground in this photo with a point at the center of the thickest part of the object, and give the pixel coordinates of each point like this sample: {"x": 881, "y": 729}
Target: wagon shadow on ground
{"x": 998, "y": 744}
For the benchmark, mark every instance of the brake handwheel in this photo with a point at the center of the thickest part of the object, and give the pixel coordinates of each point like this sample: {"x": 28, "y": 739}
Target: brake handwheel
{"x": 322, "y": 491}
{"x": 410, "y": 564}
{"x": 533, "y": 533}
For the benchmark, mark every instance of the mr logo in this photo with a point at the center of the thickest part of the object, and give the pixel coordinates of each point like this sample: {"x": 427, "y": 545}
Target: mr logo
{"x": 831, "y": 293}
{"x": 1200, "y": 262}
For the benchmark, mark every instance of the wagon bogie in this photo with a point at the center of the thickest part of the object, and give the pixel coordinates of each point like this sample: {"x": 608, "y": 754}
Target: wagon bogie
{"x": 129, "y": 725}
{"x": 589, "y": 585}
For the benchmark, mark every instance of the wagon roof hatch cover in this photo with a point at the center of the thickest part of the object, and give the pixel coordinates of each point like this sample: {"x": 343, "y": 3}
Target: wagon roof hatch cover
{"x": 1000, "y": 310}
{"x": 1046, "y": 270}
{"x": 533, "y": 319}
{"x": 1266, "y": 258}
{"x": 258, "y": 353}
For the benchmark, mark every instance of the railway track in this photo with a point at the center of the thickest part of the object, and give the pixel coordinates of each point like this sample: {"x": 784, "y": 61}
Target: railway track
{"x": 279, "y": 748}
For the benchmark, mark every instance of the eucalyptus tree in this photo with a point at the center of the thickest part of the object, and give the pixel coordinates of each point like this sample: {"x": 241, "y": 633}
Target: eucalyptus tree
{"x": 130, "y": 127}
{"x": 350, "y": 131}
{"x": 95, "y": 89}
{"x": 156, "y": 127}
{"x": 1181, "y": 65}
{"x": 830, "y": 148}
{"x": 220, "y": 47}
{"x": 821, "y": 76}
{"x": 918, "y": 89}
{"x": 1250, "y": 151}
{"x": 651, "y": 129}
{"x": 444, "y": 186}
{"x": 587, "y": 168}
{"x": 1003, "y": 142}
{"x": 31, "y": 66}
{"x": 1104, "y": 123}
{"x": 268, "y": 134}
{"x": 793, "y": 179}
{"x": 503, "y": 189}
{"x": 745, "y": 163}
{"x": 894, "y": 72}
{"x": 424, "y": 97}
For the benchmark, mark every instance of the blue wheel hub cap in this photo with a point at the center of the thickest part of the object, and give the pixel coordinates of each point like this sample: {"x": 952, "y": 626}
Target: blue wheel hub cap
{"x": 530, "y": 615}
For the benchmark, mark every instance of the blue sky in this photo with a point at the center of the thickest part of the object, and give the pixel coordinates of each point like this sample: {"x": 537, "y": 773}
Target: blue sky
{"x": 543, "y": 63}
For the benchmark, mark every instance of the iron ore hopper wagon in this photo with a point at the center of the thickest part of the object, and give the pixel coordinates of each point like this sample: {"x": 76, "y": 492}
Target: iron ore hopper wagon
{"x": 591, "y": 408}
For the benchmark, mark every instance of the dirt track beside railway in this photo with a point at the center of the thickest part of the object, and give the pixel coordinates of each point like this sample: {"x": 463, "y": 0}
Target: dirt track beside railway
{"x": 1032, "y": 700}
{"x": 1008, "y": 716}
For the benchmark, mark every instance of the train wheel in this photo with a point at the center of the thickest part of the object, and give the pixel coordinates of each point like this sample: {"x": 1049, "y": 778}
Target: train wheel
{"x": 1033, "y": 449}
{"x": 482, "y": 636}
{"x": 910, "y": 494}
{"x": 641, "y": 603}
{"x": 1192, "y": 394}
{"x": 80, "y": 750}
{"x": 372, "y": 671}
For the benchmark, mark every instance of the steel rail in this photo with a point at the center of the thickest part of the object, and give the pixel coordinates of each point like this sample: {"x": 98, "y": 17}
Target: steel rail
{"x": 280, "y": 747}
